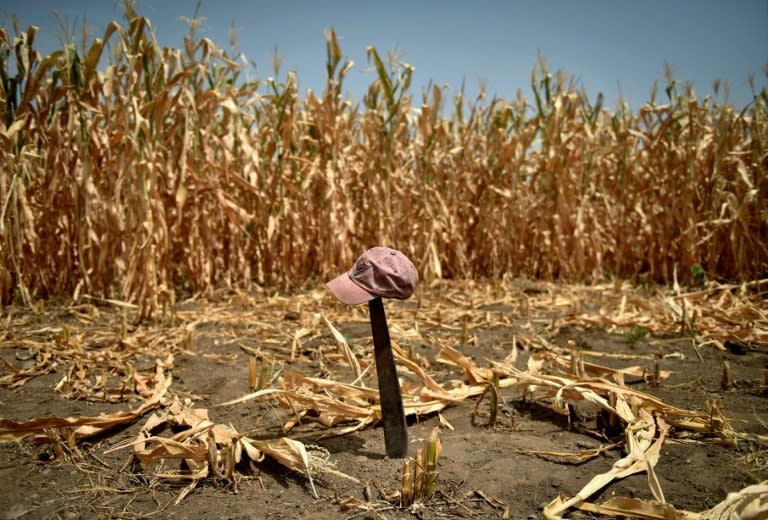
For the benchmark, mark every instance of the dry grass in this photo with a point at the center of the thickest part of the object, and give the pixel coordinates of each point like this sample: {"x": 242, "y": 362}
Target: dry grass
{"x": 138, "y": 173}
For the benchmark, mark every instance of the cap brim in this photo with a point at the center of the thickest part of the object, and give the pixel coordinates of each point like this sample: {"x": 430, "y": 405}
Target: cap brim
{"x": 347, "y": 291}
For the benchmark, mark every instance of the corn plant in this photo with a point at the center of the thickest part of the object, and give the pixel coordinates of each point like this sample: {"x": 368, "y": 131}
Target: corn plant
{"x": 140, "y": 173}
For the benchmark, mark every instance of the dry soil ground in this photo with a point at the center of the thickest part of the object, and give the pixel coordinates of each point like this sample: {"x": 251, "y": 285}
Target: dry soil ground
{"x": 81, "y": 361}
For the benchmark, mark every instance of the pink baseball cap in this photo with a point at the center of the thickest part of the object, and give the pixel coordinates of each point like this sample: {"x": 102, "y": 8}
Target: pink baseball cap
{"x": 380, "y": 271}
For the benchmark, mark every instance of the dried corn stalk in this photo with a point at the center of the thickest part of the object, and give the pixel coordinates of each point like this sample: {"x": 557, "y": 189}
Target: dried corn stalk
{"x": 750, "y": 503}
{"x": 211, "y": 450}
{"x": 43, "y": 429}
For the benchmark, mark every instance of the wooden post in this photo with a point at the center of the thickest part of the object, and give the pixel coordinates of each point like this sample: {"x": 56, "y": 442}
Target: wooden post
{"x": 393, "y": 415}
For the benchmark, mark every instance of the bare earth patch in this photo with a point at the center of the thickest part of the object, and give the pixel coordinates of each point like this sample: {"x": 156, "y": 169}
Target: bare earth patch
{"x": 535, "y": 389}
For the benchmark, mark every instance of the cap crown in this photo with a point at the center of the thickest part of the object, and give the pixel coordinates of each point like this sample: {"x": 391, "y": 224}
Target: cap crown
{"x": 385, "y": 272}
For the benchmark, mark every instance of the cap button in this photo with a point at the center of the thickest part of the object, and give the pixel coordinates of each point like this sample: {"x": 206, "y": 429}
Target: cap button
{"x": 393, "y": 253}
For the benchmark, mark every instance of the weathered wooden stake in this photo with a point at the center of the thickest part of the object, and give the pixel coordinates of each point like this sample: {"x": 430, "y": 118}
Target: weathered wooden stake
{"x": 393, "y": 415}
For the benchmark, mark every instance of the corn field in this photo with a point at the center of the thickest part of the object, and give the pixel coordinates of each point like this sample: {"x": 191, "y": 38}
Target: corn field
{"x": 140, "y": 173}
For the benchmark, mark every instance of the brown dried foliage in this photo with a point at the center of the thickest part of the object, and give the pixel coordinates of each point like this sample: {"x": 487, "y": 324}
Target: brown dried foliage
{"x": 165, "y": 171}
{"x": 332, "y": 390}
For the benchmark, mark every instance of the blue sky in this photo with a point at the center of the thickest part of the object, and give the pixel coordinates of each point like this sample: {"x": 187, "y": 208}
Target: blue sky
{"x": 618, "y": 47}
